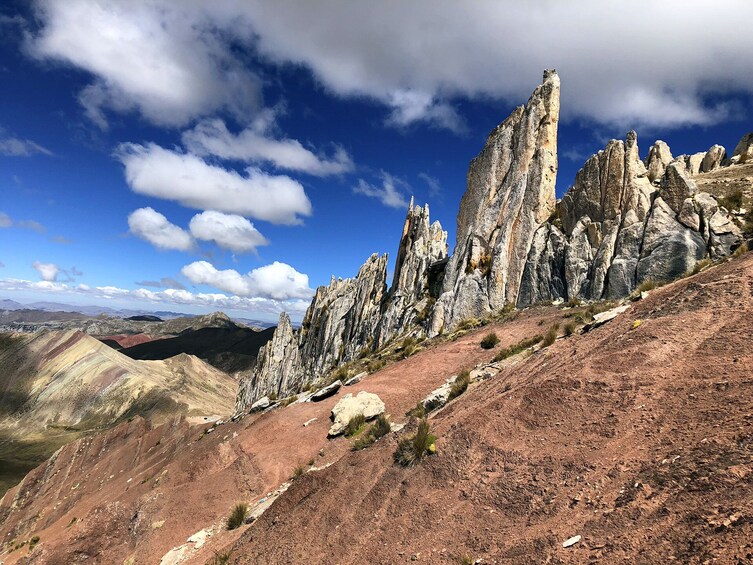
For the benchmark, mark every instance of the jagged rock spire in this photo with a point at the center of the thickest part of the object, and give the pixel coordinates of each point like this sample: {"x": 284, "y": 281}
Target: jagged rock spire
{"x": 510, "y": 193}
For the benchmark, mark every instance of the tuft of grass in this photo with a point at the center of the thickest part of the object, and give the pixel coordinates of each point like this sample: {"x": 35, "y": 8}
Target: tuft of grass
{"x": 743, "y": 248}
{"x": 551, "y": 335}
{"x": 272, "y": 396}
{"x": 418, "y": 411}
{"x": 298, "y": 472}
{"x": 468, "y": 323}
{"x": 517, "y": 348}
{"x": 237, "y": 516}
{"x": 460, "y": 385}
{"x": 490, "y": 341}
{"x": 219, "y": 558}
{"x": 355, "y": 425}
{"x": 411, "y": 450}
{"x": 33, "y": 541}
{"x": 73, "y": 521}
{"x": 700, "y": 266}
{"x": 569, "y": 328}
{"x": 573, "y": 302}
{"x": 645, "y": 286}
{"x": 732, "y": 201}
{"x": 380, "y": 428}
{"x": 289, "y": 400}
{"x": 408, "y": 347}
{"x": 375, "y": 364}
{"x": 465, "y": 560}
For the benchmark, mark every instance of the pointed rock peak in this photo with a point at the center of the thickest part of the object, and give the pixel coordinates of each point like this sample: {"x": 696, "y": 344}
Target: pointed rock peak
{"x": 659, "y": 156}
{"x": 743, "y": 150}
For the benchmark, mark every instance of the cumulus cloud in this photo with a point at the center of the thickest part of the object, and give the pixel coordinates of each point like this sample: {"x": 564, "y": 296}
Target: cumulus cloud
{"x": 164, "y": 282}
{"x": 14, "y": 147}
{"x": 47, "y": 271}
{"x": 277, "y": 281}
{"x": 162, "y": 173}
{"x": 227, "y": 230}
{"x": 213, "y": 301}
{"x": 256, "y": 144}
{"x": 388, "y": 193}
{"x": 171, "y": 61}
{"x": 150, "y": 225}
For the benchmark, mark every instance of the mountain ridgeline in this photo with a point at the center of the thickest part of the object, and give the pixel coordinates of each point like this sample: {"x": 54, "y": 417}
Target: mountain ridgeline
{"x": 624, "y": 221}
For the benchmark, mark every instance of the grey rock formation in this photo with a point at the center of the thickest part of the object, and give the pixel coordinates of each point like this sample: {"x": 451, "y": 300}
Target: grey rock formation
{"x": 744, "y": 149}
{"x": 349, "y": 406}
{"x": 713, "y": 159}
{"x": 422, "y": 246}
{"x": 277, "y": 368}
{"x": 510, "y": 193}
{"x": 659, "y": 156}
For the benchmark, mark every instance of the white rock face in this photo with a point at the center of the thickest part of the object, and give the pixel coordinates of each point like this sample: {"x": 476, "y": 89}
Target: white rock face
{"x": 659, "y": 156}
{"x": 348, "y": 407}
{"x": 510, "y": 193}
{"x": 744, "y": 149}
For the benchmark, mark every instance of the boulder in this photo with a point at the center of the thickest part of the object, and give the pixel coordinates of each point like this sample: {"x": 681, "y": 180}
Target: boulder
{"x": 326, "y": 392}
{"x": 743, "y": 150}
{"x": 349, "y": 406}
{"x": 713, "y": 159}
{"x": 261, "y": 404}
{"x": 357, "y": 379}
{"x": 659, "y": 156}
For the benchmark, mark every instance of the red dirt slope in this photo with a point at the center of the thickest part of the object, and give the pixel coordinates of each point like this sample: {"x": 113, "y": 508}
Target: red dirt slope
{"x": 137, "y": 492}
{"x": 639, "y": 439}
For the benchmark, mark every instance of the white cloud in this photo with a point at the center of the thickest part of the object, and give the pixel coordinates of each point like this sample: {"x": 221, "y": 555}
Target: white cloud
{"x": 171, "y": 61}
{"x": 14, "y": 147}
{"x": 5, "y": 220}
{"x": 154, "y": 171}
{"x": 255, "y": 144}
{"x": 155, "y": 228}
{"x": 388, "y": 193}
{"x": 227, "y": 230}
{"x": 47, "y": 271}
{"x": 277, "y": 281}
{"x": 616, "y": 66}
{"x": 213, "y": 301}
{"x": 435, "y": 189}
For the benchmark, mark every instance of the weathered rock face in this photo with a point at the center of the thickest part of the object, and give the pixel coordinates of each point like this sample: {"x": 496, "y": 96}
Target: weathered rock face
{"x": 422, "y": 246}
{"x": 278, "y": 367}
{"x": 619, "y": 228}
{"x": 743, "y": 150}
{"x": 510, "y": 193}
{"x": 349, "y": 406}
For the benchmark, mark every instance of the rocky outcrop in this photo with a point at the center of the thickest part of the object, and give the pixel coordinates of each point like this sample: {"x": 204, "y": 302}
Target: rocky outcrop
{"x": 659, "y": 156}
{"x": 349, "y": 406}
{"x": 743, "y": 150}
{"x": 510, "y": 193}
{"x": 278, "y": 367}
{"x": 422, "y": 246}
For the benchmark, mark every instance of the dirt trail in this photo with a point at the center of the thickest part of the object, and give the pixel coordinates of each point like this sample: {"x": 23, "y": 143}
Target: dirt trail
{"x": 136, "y": 491}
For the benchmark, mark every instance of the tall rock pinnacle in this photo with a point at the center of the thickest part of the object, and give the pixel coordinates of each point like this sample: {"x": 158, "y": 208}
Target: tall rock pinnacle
{"x": 510, "y": 193}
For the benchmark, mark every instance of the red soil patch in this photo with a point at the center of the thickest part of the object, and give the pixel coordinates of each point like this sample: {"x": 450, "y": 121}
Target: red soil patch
{"x": 129, "y": 340}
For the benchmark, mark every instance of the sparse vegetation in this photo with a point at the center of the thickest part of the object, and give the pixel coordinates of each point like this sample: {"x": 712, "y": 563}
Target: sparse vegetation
{"x": 489, "y": 341}
{"x": 73, "y": 521}
{"x": 237, "y": 516}
{"x": 418, "y": 411}
{"x": 468, "y": 323}
{"x": 298, "y": 472}
{"x": 381, "y": 427}
{"x": 33, "y": 541}
{"x": 732, "y": 201}
{"x": 408, "y": 347}
{"x": 272, "y": 396}
{"x": 551, "y": 335}
{"x": 460, "y": 385}
{"x": 289, "y": 400}
{"x": 375, "y": 364}
{"x": 355, "y": 425}
{"x": 569, "y": 328}
{"x": 517, "y": 348}
{"x": 411, "y": 450}
{"x": 219, "y": 558}
{"x": 700, "y": 266}
{"x": 743, "y": 248}
{"x": 574, "y": 302}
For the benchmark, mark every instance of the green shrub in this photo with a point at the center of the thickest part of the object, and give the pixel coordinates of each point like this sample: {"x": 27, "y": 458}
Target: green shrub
{"x": 355, "y": 425}
{"x": 569, "y": 328}
{"x": 380, "y": 428}
{"x": 33, "y": 541}
{"x": 237, "y": 516}
{"x": 411, "y": 450}
{"x": 460, "y": 384}
{"x": 408, "y": 347}
{"x": 468, "y": 323}
{"x": 375, "y": 364}
{"x": 298, "y": 472}
{"x": 418, "y": 411}
{"x": 551, "y": 335}
{"x": 517, "y": 348}
{"x": 490, "y": 340}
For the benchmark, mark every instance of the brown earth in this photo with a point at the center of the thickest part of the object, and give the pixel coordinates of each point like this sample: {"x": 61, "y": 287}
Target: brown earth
{"x": 639, "y": 439}
{"x": 129, "y": 340}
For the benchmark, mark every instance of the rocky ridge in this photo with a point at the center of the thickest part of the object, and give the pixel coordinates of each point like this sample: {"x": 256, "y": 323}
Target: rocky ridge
{"x": 625, "y": 220}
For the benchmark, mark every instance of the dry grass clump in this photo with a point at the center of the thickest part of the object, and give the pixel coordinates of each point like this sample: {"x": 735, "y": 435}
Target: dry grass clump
{"x": 298, "y": 472}
{"x": 522, "y": 345}
{"x": 460, "y": 385}
{"x": 551, "y": 335}
{"x": 732, "y": 201}
{"x": 220, "y": 558}
{"x": 489, "y": 341}
{"x": 411, "y": 450}
{"x": 380, "y": 428}
{"x": 237, "y": 516}
{"x": 743, "y": 248}
{"x": 355, "y": 425}
{"x": 569, "y": 328}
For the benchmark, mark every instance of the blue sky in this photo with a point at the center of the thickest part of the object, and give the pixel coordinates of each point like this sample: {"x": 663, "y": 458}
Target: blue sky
{"x": 195, "y": 157}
